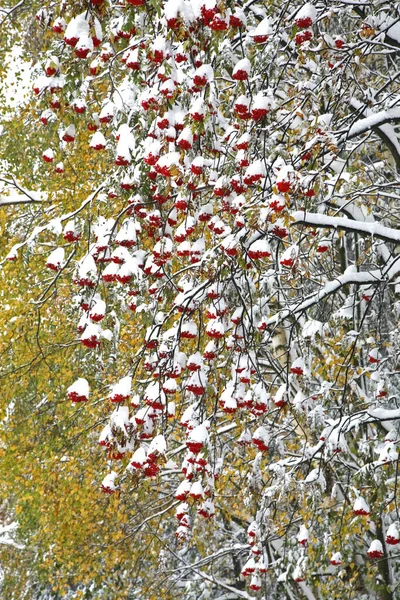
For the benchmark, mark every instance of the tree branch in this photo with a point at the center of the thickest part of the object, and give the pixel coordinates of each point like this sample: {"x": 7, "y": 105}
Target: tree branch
{"x": 379, "y": 123}
{"x": 31, "y": 197}
{"x": 388, "y": 234}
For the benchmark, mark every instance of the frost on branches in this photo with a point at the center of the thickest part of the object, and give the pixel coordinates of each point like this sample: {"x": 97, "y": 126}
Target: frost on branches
{"x": 245, "y": 227}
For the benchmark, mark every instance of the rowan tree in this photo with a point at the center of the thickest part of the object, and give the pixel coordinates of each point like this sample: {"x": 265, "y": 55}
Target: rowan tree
{"x": 209, "y": 219}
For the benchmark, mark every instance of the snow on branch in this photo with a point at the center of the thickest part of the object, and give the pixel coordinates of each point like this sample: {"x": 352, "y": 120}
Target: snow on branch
{"x": 355, "y": 213}
{"x": 25, "y": 196}
{"x": 17, "y": 199}
{"x": 356, "y": 2}
{"x": 39, "y": 229}
{"x": 388, "y": 234}
{"x": 383, "y": 414}
{"x": 374, "y": 120}
{"x": 6, "y": 538}
{"x": 347, "y": 423}
{"x": 9, "y": 11}
{"x": 379, "y": 123}
{"x": 350, "y": 276}
{"x": 219, "y": 582}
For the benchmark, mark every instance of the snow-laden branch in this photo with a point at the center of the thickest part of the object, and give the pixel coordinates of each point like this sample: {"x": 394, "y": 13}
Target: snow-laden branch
{"x": 379, "y": 123}
{"x": 39, "y": 229}
{"x": 25, "y": 196}
{"x": 151, "y": 517}
{"x": 370, "y": 228}
{"x": 219, "y": 582}
{"x": 6, "y": 535}
{"x": 345, "y": 424}
{"x": 348, "y": 277}
{"x": 370, "y": 415}
{"x": 357, "y": 214}
{"x": 383, "y": 414}
{"x": 17, "y": 199}
{"x": 374, "y": 120}
{"x": 211, "y": 557}
{"x": 9, "y": 11}
{"x": 306, "y": 591}
{"x": 212, "y": 578}
{"x": 356, "y": 2}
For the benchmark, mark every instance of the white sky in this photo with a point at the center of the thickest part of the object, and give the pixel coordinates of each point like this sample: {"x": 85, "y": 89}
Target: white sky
{"x": 17, "y": 90}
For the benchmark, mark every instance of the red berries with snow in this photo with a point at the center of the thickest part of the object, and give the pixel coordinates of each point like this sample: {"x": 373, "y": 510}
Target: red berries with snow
{"x": 361, "y": 508}
{"x": 253, "y": 532}
{"x": 243, "y": 142}
{"x": 197, "y": 383}
{"x": 237, "y": 19}
{"x": 306, "y": 16}
{"x": 185, "y": 140}
{"x": 196, "y": 491}
{"x": 189, "y": 330}
{"x": 139, "y": 458}
{"x": 219, "y": 23}
{"x": 197, "y": 438}
{"x": 206, "y": 509}
{"x": 303, "y": 535}
{"x": 210, "y": 351}
{"x": 98, "y": 310}
{"x": 260, "y": 107}
{"x": 154, "y": 396}
{"x": 242, "y": 70}
{"x": 91, "y": 336}
{"x": 55, "y": 261}
{"x": 289, "y": 257}
{"x": 48, "y": 155}
{"x": 203, "y": 75}
{"x": 303, "y": 36}
{"x": 183, "y": 490}
{"x": 255, "y": 582}
{"x": 297, "y": 366}
{"x": 72, "y": 232}
{"x": 249, "y": 567}
{"x": 261, "y": 439}
{"x": 170, "y": 386}
{"x": 79, "y": 391}
{"x": 215, "y": 329}
{"x": 283, "y": 186}
{"x": 52, "y": 66}
{"x": 373, "y": 356}
{"x": 59, "y": 25}
{"x": 108, "y": 484}
{"x": 84, "y": 46}
{"x": 242, "y": 107}
{"x": 393, "y": 535}
{"x": 336, "y": 559}
{"x": 97, "y": 141}
{"x": 376, "y": 550}
{"x": 77, "y": 27}
{"x": 262, "y": 32}
{"x": 259, "y": 249}
{"x": 254, "y": 173}
{"x": 69, "y": 134}
{"x": 280, "y": 397}
{"x": 323, "y": 246}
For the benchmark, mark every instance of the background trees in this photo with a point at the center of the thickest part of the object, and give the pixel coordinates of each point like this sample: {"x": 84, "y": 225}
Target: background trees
{"x": 208, "y": 239}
